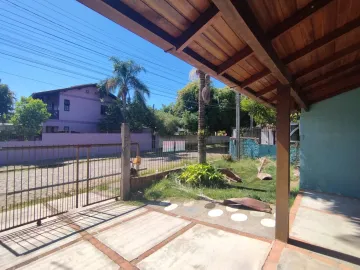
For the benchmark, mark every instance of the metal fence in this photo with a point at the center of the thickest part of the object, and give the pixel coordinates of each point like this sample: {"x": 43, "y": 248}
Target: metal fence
{"x": 50, "y": 180}
{"x": 176, "y": 152}
{"x": 37, "y": 182}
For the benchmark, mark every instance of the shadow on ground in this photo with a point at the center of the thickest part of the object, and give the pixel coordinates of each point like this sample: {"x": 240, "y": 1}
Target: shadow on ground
{"x": 30, "y": 239}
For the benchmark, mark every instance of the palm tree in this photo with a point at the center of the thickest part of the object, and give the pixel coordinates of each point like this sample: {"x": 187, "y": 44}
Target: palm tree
{"x": 124, "y": 80}
{"x": 196, "y": 73}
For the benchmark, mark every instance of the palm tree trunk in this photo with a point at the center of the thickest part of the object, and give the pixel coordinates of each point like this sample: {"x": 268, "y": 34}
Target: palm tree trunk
{"x": 124, "y": 107}
{"x": 201, "y": 121}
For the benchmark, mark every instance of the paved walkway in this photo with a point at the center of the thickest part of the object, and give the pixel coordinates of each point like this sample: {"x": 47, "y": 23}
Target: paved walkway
{"x": 164, "y": 235}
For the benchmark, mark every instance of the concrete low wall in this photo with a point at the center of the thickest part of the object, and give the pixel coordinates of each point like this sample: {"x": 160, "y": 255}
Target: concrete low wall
{"x": 23, "y": 155}
{"x": 193, "y": 139}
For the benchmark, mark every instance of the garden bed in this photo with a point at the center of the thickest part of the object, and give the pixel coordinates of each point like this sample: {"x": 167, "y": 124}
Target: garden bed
{"x": 250, "y": 187}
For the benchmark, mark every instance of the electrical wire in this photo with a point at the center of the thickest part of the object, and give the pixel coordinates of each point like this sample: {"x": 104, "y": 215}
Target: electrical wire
{"x": 76, "y": 32}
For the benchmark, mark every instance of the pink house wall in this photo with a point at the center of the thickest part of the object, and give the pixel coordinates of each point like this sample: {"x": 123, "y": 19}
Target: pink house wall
{"x": 85, "y": 110}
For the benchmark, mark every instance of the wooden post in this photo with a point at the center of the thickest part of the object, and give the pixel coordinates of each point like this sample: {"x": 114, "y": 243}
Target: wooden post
{"x": 125, "y": 162}
{"x": 282, "y": 163}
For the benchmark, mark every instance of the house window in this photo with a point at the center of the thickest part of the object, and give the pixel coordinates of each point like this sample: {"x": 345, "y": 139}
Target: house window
{"x": 103, "y": 109}
{"x": 51, "y": 129}
{"x": 66, "y": 105}
{"x": 66, "y": 128}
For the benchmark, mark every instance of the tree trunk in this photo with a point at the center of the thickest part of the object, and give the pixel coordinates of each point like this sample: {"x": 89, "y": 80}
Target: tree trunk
{"x": 201, "y": 121}
{"x": 124, "y": 107}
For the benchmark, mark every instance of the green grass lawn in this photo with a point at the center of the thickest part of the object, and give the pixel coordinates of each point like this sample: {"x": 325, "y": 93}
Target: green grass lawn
{"x": 252, "y": 187}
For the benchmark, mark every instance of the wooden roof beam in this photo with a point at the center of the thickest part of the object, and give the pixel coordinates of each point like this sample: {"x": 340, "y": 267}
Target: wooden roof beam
{"x": 251, "y": 93}
{"x": 233, "y": 60}
{"x": 299, "y": 16}
{"x": 333, "y": 82}
{"x": 327, "y": 61}
{"x": 267, "y": 89}
{"x": 330, "y": 74}
{"x": 240, "y": 18}
{"x": 197, "y": 27}
{"x": 336, "y": 86}
{"x": 255, "y": 77}
{"x": 272, "y": 99}
{"x": 346, "y": 28}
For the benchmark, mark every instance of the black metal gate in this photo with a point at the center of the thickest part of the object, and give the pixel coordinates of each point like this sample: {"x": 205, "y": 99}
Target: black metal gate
{"x": 37, "y": 182}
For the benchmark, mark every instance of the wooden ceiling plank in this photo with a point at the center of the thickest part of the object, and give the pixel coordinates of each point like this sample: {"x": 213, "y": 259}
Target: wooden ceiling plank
{"x": 331, "y": 73}
{"x": 267, "y": 89}
{"x": 327, "y": 61}
{"x": 241, "y": 55}
{"x": 255, "y": 77}
{"x": 299, "y": 16}
{"x": 322, "y": 41}
{"x": 197, "y": 27}
{"x": 243, "y": 22}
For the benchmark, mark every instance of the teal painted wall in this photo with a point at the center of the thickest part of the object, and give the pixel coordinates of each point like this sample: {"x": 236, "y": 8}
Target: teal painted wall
{"x": 251, "y": 149}
{"x": 330, "y": 145}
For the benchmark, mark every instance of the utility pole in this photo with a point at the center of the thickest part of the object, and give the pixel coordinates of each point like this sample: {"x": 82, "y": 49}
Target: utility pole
{"x": 238, "y": 98}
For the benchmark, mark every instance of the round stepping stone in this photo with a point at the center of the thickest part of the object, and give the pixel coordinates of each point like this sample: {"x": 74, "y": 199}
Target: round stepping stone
{"x": 231, "y": 209}
{"x": 239, "y": 217}
{"x": 267, "y": 222}
{"x": 215, "y": 213}
{"x": 171, "y": 207}
{"x": 257, "y": 214}
{"x": 188, "y": 204}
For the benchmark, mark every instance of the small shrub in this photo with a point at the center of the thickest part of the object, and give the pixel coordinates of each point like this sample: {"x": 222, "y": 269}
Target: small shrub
{"x": 227, "y": 157}
{"x": 221, "y": 133}
{"x": 202, "y": 175}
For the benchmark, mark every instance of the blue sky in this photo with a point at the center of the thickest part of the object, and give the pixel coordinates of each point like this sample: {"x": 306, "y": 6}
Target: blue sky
{"x": 58, "y": 44}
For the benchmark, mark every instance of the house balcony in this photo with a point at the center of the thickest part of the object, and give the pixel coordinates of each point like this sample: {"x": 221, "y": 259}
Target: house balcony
{"x": 54, "y": 114}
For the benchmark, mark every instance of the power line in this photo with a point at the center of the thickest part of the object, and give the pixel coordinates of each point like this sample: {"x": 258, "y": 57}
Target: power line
{"x": 93, "y": 27}
{"x": 76, "y": 32}
{"x": 40, "y": 51}
{"x": 1, "y": 71}
{"x": 76, "y": 44}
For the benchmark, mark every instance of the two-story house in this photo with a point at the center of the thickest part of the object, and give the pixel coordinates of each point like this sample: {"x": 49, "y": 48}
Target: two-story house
{"x": 74, "y": 109}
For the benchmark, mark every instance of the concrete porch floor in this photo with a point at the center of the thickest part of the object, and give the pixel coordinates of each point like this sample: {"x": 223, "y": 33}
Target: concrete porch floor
{"x": 176, "y": 235}
{"x": 324, "y": 234}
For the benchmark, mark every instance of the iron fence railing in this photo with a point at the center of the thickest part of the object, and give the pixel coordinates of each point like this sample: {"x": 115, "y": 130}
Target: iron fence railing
{"x": 42, "y": 181}
{"x": 175, "y": 152}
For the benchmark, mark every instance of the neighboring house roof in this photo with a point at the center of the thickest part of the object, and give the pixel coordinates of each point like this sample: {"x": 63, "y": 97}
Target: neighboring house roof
{"x": 69, "y": 88}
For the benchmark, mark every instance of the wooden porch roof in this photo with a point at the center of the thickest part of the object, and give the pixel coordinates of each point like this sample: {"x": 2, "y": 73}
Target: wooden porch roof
{"x": 254, "y": 46}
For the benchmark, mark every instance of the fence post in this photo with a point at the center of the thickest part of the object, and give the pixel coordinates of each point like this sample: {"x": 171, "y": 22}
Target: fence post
{"x": 77, "y": 176}
{"x": 125, "y": 161}
{"x": 87, "y": 174}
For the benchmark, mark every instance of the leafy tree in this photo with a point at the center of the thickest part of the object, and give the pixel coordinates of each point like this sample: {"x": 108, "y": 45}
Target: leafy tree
{"x": 166, "y": 123}
{"x": 7, "y": 100}
{"x": 113, "y": 118}
{"x": 139, "y": 116}
{"x": 28, "y": 116}
{"x": 219, "y": 114}
{"x": 126, "y": 78}
{"x": 262, "y": 115}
